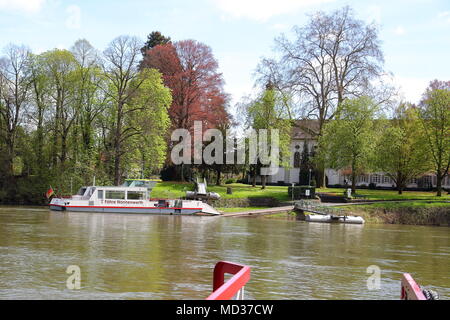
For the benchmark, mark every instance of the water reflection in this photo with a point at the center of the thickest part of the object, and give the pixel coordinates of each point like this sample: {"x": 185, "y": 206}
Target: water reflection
{"x": 167, "y": 257}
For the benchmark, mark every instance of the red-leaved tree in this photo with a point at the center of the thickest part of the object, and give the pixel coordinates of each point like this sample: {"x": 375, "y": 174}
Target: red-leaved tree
{"x": 191, "y": 72}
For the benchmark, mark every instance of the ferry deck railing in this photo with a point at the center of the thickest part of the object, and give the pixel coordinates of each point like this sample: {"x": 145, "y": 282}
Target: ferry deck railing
{"x": 410, "y": 289}
{"x": 234, "y": 286}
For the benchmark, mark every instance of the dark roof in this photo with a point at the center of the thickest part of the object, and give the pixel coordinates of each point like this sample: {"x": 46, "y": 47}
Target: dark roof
{"x": 305, "y": 130}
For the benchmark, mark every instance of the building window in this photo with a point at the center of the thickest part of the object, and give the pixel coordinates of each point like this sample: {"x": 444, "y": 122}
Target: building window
{"x": 297, "y": 159}
{"x": 386, "y": 179}
{"x": 375, "y": 178}
{"x": 115, "y": 195}
{"x": 363, "y": 178}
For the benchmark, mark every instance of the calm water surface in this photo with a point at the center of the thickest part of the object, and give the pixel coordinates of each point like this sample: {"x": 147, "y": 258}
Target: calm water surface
{"x": 165, "y": 257}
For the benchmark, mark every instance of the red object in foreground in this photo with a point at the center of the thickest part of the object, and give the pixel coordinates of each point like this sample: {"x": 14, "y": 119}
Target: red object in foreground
{"x": 226, "y": 290}
{"x": 410, "y": 289}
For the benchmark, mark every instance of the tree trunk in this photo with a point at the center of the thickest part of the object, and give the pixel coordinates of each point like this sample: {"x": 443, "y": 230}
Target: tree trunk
{"x": 10, "y": 156}
{"x": 117, "y": 144}
{"x": 182, "y": 172}
{"x": 439, "y": 184}
{"x": 218, "y": 177}
{"x": 353, "y": 179}
{"x": 400, "y": 183}
{"x": 263, "y": 181}
{"x": 254, "y": 176}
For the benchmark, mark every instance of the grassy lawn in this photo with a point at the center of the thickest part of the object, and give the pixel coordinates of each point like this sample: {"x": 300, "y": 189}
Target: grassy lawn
{"x": 178, "y": 189}
{"x": 398, "y": 205}
{"x": 390, "y": 194}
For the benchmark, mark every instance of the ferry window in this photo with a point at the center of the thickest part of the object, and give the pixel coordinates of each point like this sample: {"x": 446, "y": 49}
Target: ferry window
{"x": 139, "y": 183}
{"x": 100, "y": 194}
{"x": 81, "y": 191}
{"x": 115, "y": 194}
{"x": 135, "y": 195}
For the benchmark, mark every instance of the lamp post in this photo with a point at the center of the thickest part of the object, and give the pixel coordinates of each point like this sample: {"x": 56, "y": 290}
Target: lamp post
{"x": 309, "y": 183}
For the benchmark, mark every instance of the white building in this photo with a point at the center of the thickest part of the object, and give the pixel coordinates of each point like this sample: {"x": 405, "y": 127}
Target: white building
{"x": 305, "y": 133}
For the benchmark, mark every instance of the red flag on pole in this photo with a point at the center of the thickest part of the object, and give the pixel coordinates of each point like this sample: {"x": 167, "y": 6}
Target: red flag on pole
{"x": 49, "y": 192}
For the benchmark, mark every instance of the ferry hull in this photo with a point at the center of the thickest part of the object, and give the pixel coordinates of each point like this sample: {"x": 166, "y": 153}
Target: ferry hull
{"x": 165, "y": 211}
{"x": 191, "y": 208}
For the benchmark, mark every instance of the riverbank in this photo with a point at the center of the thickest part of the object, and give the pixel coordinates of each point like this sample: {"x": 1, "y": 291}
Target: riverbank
{"x": 243, "y": 195}
{"x": 170, "y": 189}
{"x": 419, "y": 213}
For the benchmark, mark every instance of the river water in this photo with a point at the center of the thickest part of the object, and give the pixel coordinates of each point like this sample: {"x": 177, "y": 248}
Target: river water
{"x": 124, "y": 256}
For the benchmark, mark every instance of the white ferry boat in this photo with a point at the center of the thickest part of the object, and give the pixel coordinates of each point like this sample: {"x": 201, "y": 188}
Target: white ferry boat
{"x": 132, "y": 197}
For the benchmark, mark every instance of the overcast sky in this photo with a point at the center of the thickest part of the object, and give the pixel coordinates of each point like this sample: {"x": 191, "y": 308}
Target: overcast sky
{"x": 415, "y": 34}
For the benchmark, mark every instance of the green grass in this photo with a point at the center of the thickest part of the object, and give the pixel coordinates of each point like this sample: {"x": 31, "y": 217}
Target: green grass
{"x": 390, "y": 194}
{"x": 178, "y": 189}
{"x": 398, "y": 205}
{"x": 171, "y": 190}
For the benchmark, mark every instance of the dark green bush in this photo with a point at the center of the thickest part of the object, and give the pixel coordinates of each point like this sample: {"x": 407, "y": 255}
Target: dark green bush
{"x": 300, "y": 192}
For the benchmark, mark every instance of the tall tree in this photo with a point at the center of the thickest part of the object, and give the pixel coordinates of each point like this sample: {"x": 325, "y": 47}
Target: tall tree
{"x": 154, "y": 39}
{"x": 333, "y": 57}
{"x": 14, "y": 90}
{"x": 401, "y": 152}
{"x": 60, "y": 68}
{"x": 349, "y": 140}
{"x": 434, "y": 114}
{"x": 121, "y": 68}
{"x": 39, "y": 108}
{"x": 191, "y": 72}
{"x": 266, "y": 112}
{"x": 89, "y": 97}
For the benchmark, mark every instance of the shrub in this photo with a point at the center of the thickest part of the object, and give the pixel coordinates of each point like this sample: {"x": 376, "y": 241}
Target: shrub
{"x": 230, "y": 181}
{"x": 300, "y": 192}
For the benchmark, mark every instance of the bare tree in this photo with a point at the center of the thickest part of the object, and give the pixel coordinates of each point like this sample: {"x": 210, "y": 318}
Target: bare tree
{"x": 334, "y": 57}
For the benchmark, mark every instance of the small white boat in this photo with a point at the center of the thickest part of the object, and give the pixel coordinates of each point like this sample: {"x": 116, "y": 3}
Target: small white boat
{"x": 132, "y": 197}
{"x": 334, "y": 219}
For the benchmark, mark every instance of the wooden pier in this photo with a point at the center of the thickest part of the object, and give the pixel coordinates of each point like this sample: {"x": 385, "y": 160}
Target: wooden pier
{"x": 259, "y": 212}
